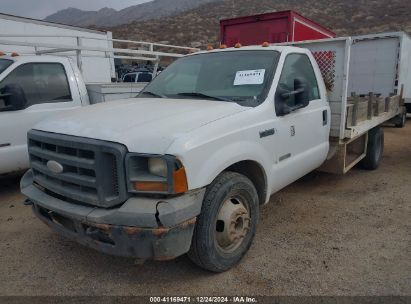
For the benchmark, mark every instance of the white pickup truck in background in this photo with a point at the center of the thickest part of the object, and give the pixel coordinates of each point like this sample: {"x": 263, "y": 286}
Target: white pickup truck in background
{"x": 33, "y": 88}
{"x": 186, "y": 166}
{"x": 47, "y": 79}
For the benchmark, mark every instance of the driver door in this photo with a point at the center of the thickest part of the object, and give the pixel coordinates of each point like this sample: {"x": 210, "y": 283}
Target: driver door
{"x": 34, "y": 91}
{"x": 302, "y": 123}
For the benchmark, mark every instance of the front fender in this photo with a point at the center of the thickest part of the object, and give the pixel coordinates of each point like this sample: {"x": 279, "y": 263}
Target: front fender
{"x": 205, "y": 163}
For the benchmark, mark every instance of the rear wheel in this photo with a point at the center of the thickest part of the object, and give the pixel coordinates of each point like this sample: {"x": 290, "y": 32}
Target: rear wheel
{"x": 227, "y": 223}
{"x": 400, "y": 120}
{"x": 375, "y": 149}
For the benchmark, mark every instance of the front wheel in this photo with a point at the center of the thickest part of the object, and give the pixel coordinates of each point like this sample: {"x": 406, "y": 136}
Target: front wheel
{"x": 226, "y": 226}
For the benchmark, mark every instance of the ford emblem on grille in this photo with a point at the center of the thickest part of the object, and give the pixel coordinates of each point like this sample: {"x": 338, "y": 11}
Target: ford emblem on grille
{"x": 55, "y": 167}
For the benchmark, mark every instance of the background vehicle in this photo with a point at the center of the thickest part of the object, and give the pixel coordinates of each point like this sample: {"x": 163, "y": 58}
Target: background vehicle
{"x": 47, "y": 78}
{"x": 142, "y": 76}
{"x": 186, "y": 167}
{"x": 277, "y": 27}
{"x": 24, "y": 36}
{"x": 36, "y": 87}
{"x": 123, "y": 69}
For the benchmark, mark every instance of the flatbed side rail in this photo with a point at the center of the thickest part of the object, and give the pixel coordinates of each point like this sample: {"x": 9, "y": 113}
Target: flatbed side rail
{"x": 367, "y": 112}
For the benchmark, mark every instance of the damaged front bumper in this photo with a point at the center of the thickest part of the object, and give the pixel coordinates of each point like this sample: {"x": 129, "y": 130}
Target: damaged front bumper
{"x": 143, "y": 228}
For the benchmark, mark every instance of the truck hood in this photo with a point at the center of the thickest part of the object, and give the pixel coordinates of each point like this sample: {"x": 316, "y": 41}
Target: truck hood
{"x": 145, "y": 125}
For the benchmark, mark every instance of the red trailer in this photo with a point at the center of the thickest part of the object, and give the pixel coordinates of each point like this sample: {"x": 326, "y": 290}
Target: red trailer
{"x": 286, "y": 26}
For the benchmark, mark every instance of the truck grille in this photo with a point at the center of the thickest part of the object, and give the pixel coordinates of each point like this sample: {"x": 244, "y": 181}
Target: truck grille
{"x": 89, "y": 171}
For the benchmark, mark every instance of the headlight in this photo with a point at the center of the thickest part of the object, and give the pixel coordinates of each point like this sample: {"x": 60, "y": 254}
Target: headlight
{"x": 157, "y": 174}
{"x": 157, "y": 166}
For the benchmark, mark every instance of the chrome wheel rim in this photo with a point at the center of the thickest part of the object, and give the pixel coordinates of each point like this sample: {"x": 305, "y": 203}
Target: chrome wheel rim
{"x": 232, "y": 224}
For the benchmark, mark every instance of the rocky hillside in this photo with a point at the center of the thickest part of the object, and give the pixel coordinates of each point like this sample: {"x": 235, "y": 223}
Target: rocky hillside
{"x": 74, "y": 16}
{"x": 110, "y": 17}
{"x": 200, "y": 26}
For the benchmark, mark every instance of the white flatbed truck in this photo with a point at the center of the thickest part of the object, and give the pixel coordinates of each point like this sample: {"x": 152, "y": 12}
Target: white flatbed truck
{"x": 186, "y": 165}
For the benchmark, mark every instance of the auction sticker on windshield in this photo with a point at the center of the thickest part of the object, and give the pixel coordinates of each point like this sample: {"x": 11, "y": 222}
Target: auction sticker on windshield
{"x": 249, "y": 77}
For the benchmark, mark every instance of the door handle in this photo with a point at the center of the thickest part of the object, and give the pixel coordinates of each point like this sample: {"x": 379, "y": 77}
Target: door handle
{"x": 325, "y": 117}
{"x": 5, "y": 145}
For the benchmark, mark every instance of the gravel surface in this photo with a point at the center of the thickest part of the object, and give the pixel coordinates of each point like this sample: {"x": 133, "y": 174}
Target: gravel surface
{"x": 323, "y": 235}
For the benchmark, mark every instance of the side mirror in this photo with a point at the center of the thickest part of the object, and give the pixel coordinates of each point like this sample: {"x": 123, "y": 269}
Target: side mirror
{"x": 300, "y": 94}
{"x": 12, "y": 98}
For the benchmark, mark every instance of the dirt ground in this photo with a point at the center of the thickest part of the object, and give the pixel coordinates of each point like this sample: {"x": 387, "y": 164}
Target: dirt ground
{"x": 323, "y": 235}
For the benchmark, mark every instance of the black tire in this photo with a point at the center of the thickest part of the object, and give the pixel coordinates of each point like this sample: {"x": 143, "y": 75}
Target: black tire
{"x": 205, "y": 249}
{"x": 375, "y": 149}
{"x": 400, "y": 120}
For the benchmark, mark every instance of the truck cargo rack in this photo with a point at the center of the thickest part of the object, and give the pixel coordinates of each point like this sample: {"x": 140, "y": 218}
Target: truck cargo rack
{"x": 367, "y": 80}
{"x": 144, "y": 51}
{"x": 349, "y": 68}
{"x": 367, "y": 112}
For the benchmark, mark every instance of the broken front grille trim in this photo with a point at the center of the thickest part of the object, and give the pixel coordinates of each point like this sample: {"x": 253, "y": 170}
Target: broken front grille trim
{"x": 93, "y": 170}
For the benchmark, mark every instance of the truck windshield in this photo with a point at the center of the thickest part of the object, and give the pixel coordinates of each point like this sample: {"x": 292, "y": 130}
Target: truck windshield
{"x": 4, "y": 64}
{"x": 236, "y": 76}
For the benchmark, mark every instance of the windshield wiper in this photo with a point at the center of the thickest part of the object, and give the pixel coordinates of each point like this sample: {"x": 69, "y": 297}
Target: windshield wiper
{"x": 152, "y": 94}
{"x": 197, "y": 94}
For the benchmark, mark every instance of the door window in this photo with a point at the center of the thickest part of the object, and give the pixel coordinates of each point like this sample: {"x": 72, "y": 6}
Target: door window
{"x": 38, "y": 83}
{"x": 297, "y": 74}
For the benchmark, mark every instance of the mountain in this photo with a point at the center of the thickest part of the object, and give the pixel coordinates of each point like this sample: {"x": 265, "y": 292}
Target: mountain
{"x": 74, "y": 16}
{"x": 109, "y": 17}
{"x": 200, "y": 26}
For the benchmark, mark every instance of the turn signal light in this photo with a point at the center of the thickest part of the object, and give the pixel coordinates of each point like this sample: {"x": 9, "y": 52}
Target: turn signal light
{"x": 238, "y": 45}
{"x": 223, "y": 46}
{"x": 2, "y": 54}
{"x": 210, "y": 47}
{"x": 14, "y": 54}
{"x": 180, "y": 181}
{"x": 265, "y": 44}
{"x": 151, "y": 186}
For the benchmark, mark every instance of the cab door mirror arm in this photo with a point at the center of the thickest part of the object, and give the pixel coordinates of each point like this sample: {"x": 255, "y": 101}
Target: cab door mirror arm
{"x": 286, "y": 95}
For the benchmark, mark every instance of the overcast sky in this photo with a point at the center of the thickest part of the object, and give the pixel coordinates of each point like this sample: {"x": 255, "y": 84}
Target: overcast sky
{"x": 40, "y": 9}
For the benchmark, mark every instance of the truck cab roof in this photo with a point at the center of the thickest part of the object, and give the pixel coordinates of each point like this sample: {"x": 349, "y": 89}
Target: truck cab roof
{"x": 255, "y": 48}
